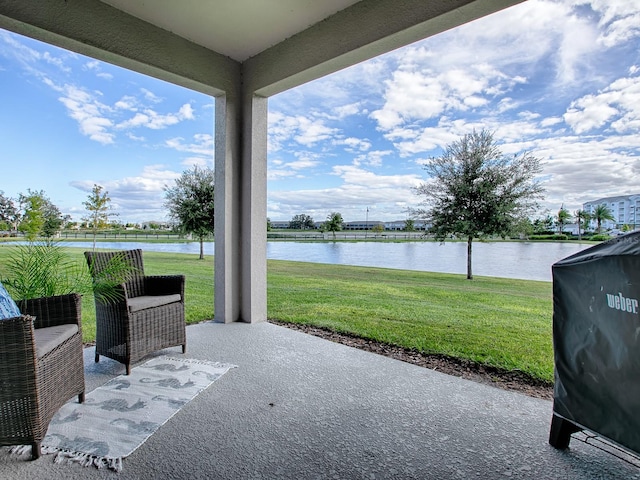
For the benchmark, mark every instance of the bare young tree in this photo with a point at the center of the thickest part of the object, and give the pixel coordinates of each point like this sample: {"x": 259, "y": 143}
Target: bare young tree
{"x": 98, "y": 204}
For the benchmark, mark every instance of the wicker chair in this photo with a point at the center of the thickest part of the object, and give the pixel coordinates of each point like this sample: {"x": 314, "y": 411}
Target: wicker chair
{"x": 148, "y": 316}
{"x": 41, "y": 367}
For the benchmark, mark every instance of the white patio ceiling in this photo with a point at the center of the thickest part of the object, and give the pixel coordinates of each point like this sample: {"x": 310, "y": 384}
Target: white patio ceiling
{"x": 239, "y": 28}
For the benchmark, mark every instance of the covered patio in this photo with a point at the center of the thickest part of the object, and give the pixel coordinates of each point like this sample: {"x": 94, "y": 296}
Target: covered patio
{"x": 299, "y": 406}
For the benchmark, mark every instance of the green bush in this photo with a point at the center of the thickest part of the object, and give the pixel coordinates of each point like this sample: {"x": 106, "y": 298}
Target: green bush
{"x": 554, "y": 236}
{"x": 601, "y": 237}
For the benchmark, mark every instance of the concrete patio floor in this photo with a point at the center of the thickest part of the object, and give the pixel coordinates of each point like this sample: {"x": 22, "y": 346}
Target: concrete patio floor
{"x": 300, "y": 407}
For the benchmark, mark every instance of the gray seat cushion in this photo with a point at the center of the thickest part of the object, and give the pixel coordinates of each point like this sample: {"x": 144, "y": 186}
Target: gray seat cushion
{"x": 49, "y": 338}
{"x": 149, "y": 301}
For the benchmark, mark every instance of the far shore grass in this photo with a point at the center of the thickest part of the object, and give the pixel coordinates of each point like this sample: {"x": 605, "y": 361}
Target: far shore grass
{"x": 504, "y": 323}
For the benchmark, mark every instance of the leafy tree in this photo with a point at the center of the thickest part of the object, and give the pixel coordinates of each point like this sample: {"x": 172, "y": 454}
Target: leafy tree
{"x": 547, "y": 224}
{"x": 601, "y": 214}
{"x": 40, "y": 216}
{"x": 269, "y": 226}
{"x": 8, "y": 213}
{"x": 522, "y": 228}
{"x": 377, "y": 228}
{"x": 98, "y": 204}
{"x": 563, "y": 217}
{"x": 409, "y": 225}
{"x": 475, "y": 191}
{"x": 538, "y": 226}
{"x": 190, "y": 203}
{"x": 33, "y": 217}
{"x": 582, "y": 218}
{"x": 333, "y": 223}
{"x": 301, "y": 222}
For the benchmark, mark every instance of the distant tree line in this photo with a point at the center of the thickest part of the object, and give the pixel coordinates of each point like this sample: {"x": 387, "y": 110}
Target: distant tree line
{"x": 190, "y": 202}
{"x": 33, "y": 214}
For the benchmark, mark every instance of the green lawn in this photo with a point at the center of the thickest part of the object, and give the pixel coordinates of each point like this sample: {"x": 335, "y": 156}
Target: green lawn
{"x": 505, "y": 323}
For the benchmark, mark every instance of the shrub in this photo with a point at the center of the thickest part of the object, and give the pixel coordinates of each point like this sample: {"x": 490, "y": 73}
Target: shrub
{"x": 601, "y": 237}
{"x": 554, "y": 236}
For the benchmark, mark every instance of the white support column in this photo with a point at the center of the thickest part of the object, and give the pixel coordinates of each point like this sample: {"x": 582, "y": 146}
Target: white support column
{"x": 240, "y": 199}
{"x": 227, "y": 228}
{"x": 253, "y": 220}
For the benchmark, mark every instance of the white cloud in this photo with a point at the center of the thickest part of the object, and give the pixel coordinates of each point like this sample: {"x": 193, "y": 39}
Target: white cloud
{"x": 202, "y": 144}
{"x": 617, "y": 105}
{"x": 92, "y": 65}
{"x": 135, "y": 138}
{"x": 344, "y": 111}
{"x": 578, "y": 42}
{"x": 190, "y": 162}
{"x": 353, "y": 144}
{"x": 35, "y": 62}
{"x": 301, "y": 164}
{"x": 584, "y": 168}
{"x": 280, "y": 169}
{"x": 416, "y": 94}
{"x": 149, "y": 95}
{"x": 360, "y": 189}
{"x": 186, "y": 112}
{"x": 619, "y": 22}
{"x": 127, "y": 102}
{"x": 310, "y": 132}
{"x": 139, "y": 197}
{"x": 96, "y": 67}
{"x": 156, "y": 121}
{"x": 299, "y": 129}
{"x": 90, "y": 113}
{"x": 550, "y": 121}
{"x": 372, "y": 159}
{"x": 589, "y": 112}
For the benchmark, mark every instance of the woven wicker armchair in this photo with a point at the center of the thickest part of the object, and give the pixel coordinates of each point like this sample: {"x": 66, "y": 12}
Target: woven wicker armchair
{"x": 148, "y": 316}
{"x": 41, "y": 367}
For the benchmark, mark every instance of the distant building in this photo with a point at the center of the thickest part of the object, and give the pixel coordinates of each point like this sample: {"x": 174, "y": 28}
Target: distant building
{"x": 395, "y": 225}
{"x": 399, "y": 225}
{"x": 623, "y": 208}
{"x": 156, "y": 225}
{"x": 278, "y": 224}
{"x": 362, "y": 225}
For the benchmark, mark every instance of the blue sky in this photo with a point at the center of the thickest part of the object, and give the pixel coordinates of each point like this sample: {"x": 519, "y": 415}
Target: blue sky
{"x": 560, "y": 79}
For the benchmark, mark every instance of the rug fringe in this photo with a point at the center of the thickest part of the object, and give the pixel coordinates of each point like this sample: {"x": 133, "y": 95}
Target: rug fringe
{"x": 67, "y": 456}
{"x": 20, "y": 450}
{"x": 84, "y": 459}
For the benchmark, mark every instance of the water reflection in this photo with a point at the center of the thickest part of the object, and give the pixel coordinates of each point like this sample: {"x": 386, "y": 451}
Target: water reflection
{"x": 531, "y": 261}
{"x": 525, "y": 260}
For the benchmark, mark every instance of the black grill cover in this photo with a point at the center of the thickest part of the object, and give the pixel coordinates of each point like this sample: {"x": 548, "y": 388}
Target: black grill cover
{"x": 596, "y": 337}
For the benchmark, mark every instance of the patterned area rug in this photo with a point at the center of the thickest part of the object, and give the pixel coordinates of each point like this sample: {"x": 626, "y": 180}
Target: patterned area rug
{"x": 119, "y": 416}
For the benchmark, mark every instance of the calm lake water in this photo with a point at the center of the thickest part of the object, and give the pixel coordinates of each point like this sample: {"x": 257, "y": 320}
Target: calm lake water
{"x": 529, "y": 261}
